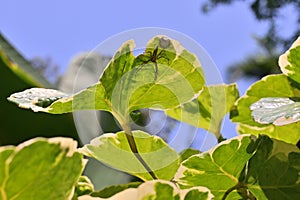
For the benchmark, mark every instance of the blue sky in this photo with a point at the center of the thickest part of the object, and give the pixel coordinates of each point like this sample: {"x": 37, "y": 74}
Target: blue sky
{"x": 63, "y": 29}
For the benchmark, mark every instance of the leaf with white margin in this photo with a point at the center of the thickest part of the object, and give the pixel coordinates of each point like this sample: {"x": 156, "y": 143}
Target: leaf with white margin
{"x": 40, "y": 169}
{"x": 158, "y": 189}
{"x": 125, "y": 87}
{"x": 218, "y": 169}
{"x": 114, "y": 150}
{"x": 279, "y": 111}
{"x": 270, "y": 86}
{"x": 261, "y": 168}
{"x": 209, "y": 108}
{"x": 289, "y": 62}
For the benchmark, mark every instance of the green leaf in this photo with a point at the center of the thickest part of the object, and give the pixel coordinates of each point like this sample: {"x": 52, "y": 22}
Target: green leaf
{"x": 177, "y": 77}
{"x": 5, "y": 153}
{"x": 209, "y": 108}
{"x": 279, "y": 111}
{"x": 126, "y": 86}
{"x": 159, "y": 190}
{"x": 289, "y": 62}
{"x": 246, "y": 167}
{"x": 114, "y": 150}
{"x": 40, "y": 169}
{"x": 274, "y": 171}
{"x": 219, "y": 169}
{"x": 270, "y": 86}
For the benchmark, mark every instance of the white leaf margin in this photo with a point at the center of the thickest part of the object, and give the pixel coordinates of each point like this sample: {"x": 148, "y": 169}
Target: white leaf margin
{"x": 146, "y": 189}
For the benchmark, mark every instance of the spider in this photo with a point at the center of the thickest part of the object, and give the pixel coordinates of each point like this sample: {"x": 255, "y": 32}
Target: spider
{"x": 154, "y": 56}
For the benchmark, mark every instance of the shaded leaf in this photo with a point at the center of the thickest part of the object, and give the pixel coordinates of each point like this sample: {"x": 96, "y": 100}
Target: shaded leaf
{"x": 114, "y": 150}
{"x": 160, "y": 190}
{"x": 209, "y": 108}
{"x": 112, "y": 190}
{"x": 273, "y": 172}
{"x": 40, "y": 169}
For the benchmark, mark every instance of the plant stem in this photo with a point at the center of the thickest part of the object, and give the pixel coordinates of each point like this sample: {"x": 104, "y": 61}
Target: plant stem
{"x": 221, "y": 138}
{"x": 130, "y": 138}
{"x": 242, "y": 189}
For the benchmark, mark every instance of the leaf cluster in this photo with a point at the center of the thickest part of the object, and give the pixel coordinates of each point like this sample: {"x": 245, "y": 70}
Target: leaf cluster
{"x": 261, "y": 163}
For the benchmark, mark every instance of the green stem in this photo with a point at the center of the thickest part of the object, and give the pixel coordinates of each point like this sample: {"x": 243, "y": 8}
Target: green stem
{"x": 219, "y": 134}
{"x": 229, "y": 191}
{"x": 220, "y": 138}
{"x": 130, "y": 138}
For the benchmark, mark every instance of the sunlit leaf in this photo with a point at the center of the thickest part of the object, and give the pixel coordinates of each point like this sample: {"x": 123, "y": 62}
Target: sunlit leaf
{"x": 219, "y": 169}
{"x": 114, "y": 150}
{"x": 128, "y": 83}
{"x": 185, "y": 154}
{"x": 289, "y": 62}
{"x": 274, "y": 86}
{"x": 40, "y": 169}
{"x": 281, "y": 110}
{"x": 209, "y": 108}
{"x": 245, "y": 167}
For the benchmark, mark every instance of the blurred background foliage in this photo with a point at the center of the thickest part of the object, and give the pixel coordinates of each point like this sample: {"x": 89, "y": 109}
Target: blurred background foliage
{"x": 18, "y": 125}
{"x": 272, "y": 43}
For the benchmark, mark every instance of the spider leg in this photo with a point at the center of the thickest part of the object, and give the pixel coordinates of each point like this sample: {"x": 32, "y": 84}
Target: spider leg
{"x": 139, "y": 67}
{"x": 161, "y": 55}
{"x": 156, "y": 71}
{"x": 153, "y": 56}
